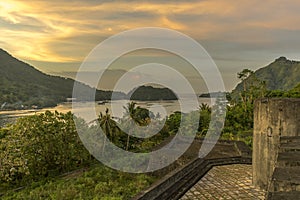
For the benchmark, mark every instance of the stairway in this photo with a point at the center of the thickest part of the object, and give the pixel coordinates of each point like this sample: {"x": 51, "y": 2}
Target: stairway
{"x": 285, "y": 182}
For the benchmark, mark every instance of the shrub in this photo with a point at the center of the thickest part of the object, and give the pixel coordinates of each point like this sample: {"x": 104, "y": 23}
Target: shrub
{"x": 40, "y": 145}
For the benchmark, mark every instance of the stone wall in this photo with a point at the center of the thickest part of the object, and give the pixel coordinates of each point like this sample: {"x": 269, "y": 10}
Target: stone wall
{"x": 273, "y": 118}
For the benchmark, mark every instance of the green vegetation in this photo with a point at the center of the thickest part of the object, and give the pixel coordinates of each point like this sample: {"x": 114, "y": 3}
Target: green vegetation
{"x": 239, "y": 116}
{"x": 293, "y": 93}
{"x": 96, "y": 182}
{"x": 282, "y": 74}
{"x": 205, "y": 113}
{"x": 37, "y": 151}
{"x": 40, "y": 146}
{"x": 134, "y": 116}
{"x": 23, "y": 86}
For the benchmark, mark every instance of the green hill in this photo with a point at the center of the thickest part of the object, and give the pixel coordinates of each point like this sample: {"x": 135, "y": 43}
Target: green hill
{"x": 23, "y": 86}
{"x": 282, "y": 74}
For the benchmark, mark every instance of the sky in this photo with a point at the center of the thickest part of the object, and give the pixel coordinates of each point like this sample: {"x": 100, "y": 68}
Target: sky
{"x": 55, "y": 36}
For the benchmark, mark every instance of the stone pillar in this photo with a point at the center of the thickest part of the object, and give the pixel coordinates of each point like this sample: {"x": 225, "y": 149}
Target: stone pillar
{"x": 273, "y": 118}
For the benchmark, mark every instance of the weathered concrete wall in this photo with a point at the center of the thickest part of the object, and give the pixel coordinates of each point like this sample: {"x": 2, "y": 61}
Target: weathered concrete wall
{"x": 272, "y": 118}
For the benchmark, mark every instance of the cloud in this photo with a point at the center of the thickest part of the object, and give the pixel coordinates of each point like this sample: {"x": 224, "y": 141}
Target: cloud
{"x": 51, "y": 27}
{"x": 64, "y": 31}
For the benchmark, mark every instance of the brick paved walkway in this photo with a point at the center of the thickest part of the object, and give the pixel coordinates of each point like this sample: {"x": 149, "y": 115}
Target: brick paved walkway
{"x": 226, "y": 182}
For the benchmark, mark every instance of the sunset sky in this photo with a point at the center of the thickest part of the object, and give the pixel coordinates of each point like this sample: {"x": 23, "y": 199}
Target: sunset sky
{"x": 55, "y": 36}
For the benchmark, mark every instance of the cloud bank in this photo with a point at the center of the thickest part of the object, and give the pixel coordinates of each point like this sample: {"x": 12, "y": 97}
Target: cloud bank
{"x": 233, "y": 32}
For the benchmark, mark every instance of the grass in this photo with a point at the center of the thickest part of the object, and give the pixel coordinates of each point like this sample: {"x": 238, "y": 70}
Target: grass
{"x": 98, "y": 182}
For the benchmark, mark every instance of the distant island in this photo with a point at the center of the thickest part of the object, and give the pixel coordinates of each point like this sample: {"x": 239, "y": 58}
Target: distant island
{"x": 213, "y": 94}
{"x": 149, "y": 93}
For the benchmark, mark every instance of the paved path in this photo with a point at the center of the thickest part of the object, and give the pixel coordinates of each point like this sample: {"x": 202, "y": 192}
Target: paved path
{"x": 226, "y": 182}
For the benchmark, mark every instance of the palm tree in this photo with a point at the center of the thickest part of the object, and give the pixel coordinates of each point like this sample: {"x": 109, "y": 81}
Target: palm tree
{"x": 136, "y": 115}
{"x": 205, "y": 115}
{"x": 109, "y": 126}
{"x": 131, "y": 112}
{"x": 204, "y": 106}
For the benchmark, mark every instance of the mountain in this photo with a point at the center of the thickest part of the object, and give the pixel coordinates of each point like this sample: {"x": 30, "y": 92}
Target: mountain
{"x": 23, "y": 86}
{"x": 282, "y": 74}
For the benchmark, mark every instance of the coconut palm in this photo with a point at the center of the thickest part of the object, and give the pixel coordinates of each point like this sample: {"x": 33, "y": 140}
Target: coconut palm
{"x": 109, "y": 126}
{"x": 205, "y": 115}
{"x": 204, "y": 106}
{"x": 130, "y": 112}
{"x": 135, "y": 115}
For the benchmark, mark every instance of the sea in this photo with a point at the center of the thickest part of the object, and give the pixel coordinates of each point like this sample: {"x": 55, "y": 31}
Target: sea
{"x": 88, "y": 110}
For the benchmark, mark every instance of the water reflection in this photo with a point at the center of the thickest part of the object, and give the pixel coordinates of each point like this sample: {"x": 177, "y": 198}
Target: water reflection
{"x": 164, "y": 108}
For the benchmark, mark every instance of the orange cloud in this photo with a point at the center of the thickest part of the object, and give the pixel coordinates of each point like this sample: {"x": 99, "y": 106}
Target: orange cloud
{"x": 64, "y": 31}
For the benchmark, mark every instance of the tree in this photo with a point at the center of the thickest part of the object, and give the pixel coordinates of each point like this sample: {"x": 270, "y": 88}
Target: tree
{"x": 293, "y": 93}
{"x": 239, "y": 116}
{"x": 173, "y": 122}
{"x": 243, "y": 75}
{"x": 41, "y": 145}
{"x": 253, "y": 88}
{"x": 130, "y": 113}
{"x": 135, "y": 116}
{"x": 109, "y": 127}
{"x": 205, "y": 115}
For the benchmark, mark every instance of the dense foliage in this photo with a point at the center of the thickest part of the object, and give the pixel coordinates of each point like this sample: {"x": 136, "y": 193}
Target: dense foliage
{"x": 239, "y": 117}
{"x": 119, "y": 132}
{"x": 40, "y": 145}
{"x": 37, "y": 148}
{"x": 98, "y": 182}
{"x": 293, "y": 93}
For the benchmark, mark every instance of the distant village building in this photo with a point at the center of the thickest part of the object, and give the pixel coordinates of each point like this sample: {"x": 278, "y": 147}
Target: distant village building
{"x": 71, "y": 99}
{"x": 34, "y": 107}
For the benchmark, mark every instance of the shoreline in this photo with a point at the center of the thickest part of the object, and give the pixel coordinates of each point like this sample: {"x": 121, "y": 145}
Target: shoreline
{"x": 164, "y": 107}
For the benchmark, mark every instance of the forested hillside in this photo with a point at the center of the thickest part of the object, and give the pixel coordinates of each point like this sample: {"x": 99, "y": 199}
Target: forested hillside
{"x": 23, "y": 86}
{"x": 282, "y": 74}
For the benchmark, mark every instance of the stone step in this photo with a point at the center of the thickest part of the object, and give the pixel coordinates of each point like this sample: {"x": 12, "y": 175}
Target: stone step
{"x": 286, "y": 179}
{"x": 288, "y": 159}
{"x": 288, "y": 139}
{"x": 291, "y": 146}
{"x": 292, "y": 195}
